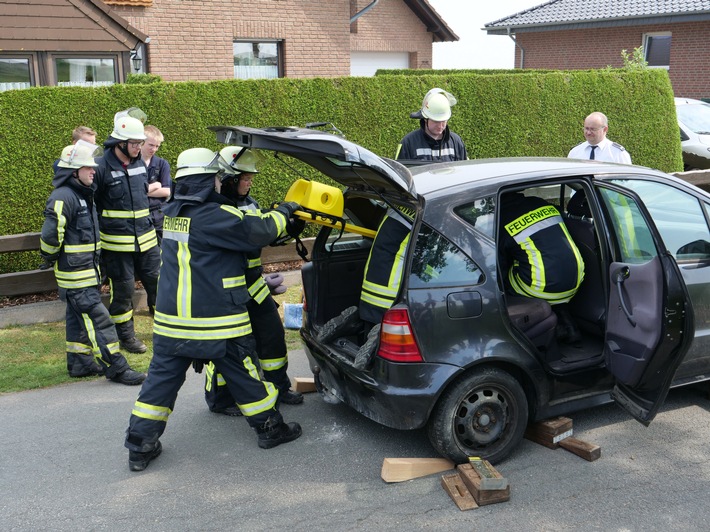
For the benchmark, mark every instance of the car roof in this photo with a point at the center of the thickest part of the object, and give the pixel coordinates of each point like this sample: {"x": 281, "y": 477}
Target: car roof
{"x": 435, "y": 178}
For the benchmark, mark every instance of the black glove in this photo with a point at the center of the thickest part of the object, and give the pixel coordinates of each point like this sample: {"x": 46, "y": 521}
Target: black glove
{"x": 197, "y": 365}
{"x": 275, "y": 283}
{"x": 47, "y": 264}
{"x": 288, "y": 208}
{"x": 295, "y": 226}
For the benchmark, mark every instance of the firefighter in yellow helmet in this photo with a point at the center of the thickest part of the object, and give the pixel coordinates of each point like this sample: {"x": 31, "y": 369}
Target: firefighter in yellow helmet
{"x": 201, "y": 308}
{"x": 70, "y": 242}
{"x": 263, "y": 311}
{"x": 433, "y": 141}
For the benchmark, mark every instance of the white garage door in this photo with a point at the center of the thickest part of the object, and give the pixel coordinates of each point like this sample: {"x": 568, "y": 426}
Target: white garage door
{"x": 367, "y": 63}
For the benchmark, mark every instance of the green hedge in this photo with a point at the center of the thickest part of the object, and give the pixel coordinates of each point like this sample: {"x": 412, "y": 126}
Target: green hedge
{"x": 497, "y": 115}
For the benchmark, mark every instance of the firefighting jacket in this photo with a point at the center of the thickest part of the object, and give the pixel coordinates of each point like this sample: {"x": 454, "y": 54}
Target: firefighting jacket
{"x": 202, "y": 290}
{"x": 419, "y": 145}
{"x": 122, "y": 202}
{"x": 541, "y": 258}
{"x": 70, "y": 233}
{"x": 258, "y": 290}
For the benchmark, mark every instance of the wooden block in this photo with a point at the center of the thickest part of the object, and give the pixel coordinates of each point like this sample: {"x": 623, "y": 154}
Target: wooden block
{"x": 588, "y": 451}
{"x": 491, "y": 479}
{"x": 549, "y": 432}
{"x": 473, "y": 482}
{"x": 303, "y": 384}
{"x": 400, "y": 469}
{"x": 457, "y": 490}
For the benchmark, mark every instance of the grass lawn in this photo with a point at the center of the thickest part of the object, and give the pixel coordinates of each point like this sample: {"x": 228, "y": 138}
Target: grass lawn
{"x": 33, "y": 356}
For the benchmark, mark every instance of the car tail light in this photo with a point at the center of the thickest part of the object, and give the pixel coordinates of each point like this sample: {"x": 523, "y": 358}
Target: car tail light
{"x": 397, "y": 342}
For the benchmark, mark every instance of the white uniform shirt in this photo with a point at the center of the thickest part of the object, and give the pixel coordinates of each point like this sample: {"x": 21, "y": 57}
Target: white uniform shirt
{"x": 606, "y": 151}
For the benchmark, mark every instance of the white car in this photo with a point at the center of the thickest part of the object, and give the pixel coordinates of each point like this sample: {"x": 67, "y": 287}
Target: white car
{"x": 694, "y": 122}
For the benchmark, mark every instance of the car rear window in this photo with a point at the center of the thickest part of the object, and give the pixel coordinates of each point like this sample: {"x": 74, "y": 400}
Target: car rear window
{"x": 438, "y": 262}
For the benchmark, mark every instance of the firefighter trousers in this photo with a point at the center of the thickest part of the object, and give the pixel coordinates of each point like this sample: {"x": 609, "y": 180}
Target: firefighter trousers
{"x": 268, "y": 331}
{"x": 123, "y": 269}
{"x": 256, "y": 398}
{"x": 90, "y": 334}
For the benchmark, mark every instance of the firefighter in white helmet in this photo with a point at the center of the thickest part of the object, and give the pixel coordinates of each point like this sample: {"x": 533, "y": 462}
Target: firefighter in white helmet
{"x": 70, "y": 243}
{"x": 263, "y": 311}
{"x": 433, "y": 141}
{"x": 128, "y": 239}
{"x": 201, "y": 311}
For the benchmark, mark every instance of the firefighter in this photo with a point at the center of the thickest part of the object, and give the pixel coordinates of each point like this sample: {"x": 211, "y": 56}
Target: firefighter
{"x": 70, "y": 242}
{"x": 265, "y": 321}
{"x": 382, "y": 280}
{"x": 201, "y": 308}
{"x": 540, "y": 258}
{"x": 433, "y": 141}
{"x": 128, "y": 239}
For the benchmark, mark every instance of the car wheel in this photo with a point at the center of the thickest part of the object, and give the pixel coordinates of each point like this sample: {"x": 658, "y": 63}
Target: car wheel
{"x": 483, "y": 414}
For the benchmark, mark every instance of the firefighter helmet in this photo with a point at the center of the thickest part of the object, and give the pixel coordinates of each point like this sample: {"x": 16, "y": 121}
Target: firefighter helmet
{"x": 240, "y": 159}
{"x": 128, "y": 128}
{"x": 197, "y": 161}
{"x": 78, "y": 155}
{"x": 436, "y": 105}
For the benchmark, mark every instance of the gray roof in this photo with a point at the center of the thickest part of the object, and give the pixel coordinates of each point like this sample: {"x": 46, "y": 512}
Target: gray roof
{"x": 576, "y": 14}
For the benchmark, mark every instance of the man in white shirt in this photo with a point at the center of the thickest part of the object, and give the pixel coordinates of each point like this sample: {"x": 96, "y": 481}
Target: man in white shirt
{"x": 597, "y": 146}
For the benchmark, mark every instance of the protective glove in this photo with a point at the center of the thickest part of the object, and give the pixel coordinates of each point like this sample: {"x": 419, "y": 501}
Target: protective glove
{"x": 275, "y": 283}
{"x": 198, "y": 365}
{"x": 288, "y": 208}
{"x": 295, "y": 226}
{"x": 47, "y": 264}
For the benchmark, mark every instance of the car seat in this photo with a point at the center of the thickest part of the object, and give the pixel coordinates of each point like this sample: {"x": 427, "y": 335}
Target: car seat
{"x": 534, "y": 317}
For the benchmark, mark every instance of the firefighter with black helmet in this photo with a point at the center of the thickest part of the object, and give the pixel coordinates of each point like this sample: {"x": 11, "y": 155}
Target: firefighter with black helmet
{"x": 128, "y": 239}
{"x": 70, "y": 243}
{"x": 201, "y": 309}
{"x": 263, "y": 310}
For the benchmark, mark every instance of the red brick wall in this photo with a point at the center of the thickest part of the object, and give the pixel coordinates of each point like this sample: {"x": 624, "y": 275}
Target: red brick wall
{"x": 600, "y": 47}
{"x": 192, "y": 39}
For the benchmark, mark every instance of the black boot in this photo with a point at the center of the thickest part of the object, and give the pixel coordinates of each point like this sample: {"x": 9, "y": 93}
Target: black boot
{"x": 367, "y": 350}
{"x": 139, "y": 461}
{"x": 232, "y": 411}
{"x": 290, "y": 397}
{"x": 567, "y": 330}
{"x": 275, "y": 432}
{"x": 127, "y": 338}
{"x": 129, "y": 377}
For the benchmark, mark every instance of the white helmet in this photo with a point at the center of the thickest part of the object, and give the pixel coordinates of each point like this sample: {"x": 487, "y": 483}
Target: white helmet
{"x": 240, "y": 159}
{"x": 436, "y": 105}
{"x": 128, "y": 128}
{"x": 78, "y": 155}
{"x": 197, "y": 161}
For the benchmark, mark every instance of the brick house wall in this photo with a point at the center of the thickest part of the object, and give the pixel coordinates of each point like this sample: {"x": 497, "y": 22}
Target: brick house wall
{"x": 192, "y": 39}
{"x": 600, "y": 47}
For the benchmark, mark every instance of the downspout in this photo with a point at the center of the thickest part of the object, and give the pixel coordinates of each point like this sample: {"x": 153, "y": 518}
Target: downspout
{"x": 522, "y": 50}
{"x": 363, "y": 11}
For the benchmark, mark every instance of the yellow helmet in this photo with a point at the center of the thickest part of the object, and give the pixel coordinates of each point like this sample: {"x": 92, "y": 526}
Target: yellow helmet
{"x": 128, "y": 128}
{"x": 78, "y": 155}
{"x": 197, "y": 161}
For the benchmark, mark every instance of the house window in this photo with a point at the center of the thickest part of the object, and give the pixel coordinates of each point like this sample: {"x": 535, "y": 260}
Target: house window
{"x": 85, "y": 72}
{"x": 15, "y": 73}
{"x": 257, "y": 59}
{"x": 658, "y": 49}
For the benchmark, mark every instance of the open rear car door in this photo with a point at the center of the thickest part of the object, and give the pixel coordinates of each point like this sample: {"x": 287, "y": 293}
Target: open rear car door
{"x": 650, "y": 320}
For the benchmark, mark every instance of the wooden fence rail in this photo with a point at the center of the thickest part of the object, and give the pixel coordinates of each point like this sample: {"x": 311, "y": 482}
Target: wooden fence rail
{"x": 35, "y": 281}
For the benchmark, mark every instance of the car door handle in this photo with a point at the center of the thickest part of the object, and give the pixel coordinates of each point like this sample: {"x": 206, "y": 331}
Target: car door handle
{"x": 619, "y": 279}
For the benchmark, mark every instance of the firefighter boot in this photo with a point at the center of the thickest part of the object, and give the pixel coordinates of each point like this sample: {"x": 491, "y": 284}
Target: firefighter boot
{"x": 139, "y": 461}
{"x": 129, "y": 377}
{"x": 290, "y": 397}
{"x": 127, "y": 338}
{"x": 275, "y": 432}
{"x": 345, "y": 323}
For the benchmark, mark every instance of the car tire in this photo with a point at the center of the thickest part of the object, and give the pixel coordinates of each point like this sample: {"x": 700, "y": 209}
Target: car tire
{"x": 482, "y": 414}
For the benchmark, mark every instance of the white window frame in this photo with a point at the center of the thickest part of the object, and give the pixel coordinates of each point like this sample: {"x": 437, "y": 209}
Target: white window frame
{"x": 260, "y": 71}
{"x": 646, "y": 37}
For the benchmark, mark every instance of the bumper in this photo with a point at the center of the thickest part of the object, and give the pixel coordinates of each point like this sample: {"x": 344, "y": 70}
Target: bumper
{"x": 400, "y": 396}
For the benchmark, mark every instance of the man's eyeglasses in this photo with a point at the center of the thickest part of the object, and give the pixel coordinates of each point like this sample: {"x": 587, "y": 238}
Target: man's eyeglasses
{"x": 592, "y": 129}
{"x": 136, "y": 143}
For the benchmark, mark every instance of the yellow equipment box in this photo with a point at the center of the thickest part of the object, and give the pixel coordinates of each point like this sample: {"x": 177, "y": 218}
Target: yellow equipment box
{"x": 325, "y": 206}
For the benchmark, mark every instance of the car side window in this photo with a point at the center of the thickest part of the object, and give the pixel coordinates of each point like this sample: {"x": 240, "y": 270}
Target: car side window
{"x": 634, "y": 241}
{"x": 438, "y": 262}
{"x": 480, "y": 214}
{"x": 679, "y": 216}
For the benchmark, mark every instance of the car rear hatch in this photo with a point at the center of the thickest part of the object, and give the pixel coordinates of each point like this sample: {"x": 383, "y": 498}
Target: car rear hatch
{"x": 341, "y": 160}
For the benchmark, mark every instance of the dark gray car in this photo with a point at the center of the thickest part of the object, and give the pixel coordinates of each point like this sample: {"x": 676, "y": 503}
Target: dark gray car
{"x": 455, "y": 353}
